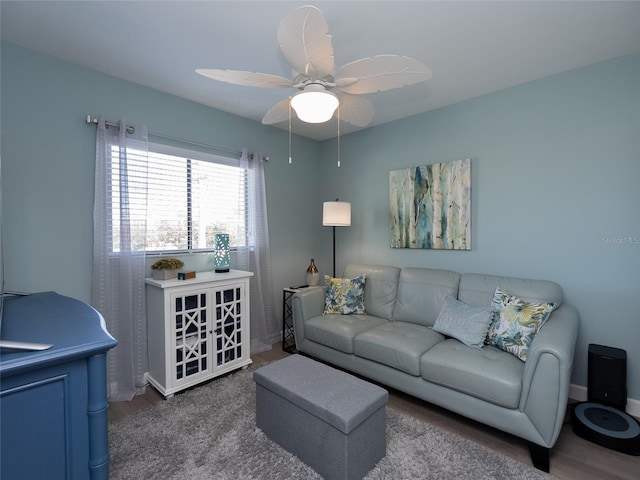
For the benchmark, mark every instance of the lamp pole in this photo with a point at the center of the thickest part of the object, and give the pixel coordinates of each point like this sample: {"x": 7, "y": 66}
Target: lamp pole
{"x": 334, "y": 251}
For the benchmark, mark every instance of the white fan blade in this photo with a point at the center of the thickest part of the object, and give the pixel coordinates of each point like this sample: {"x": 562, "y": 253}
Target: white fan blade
{"x": 355, "y": 109}
{"x": 278, "y": 113}
{"x": 249, "y": 79}
{"x": 379, "y": 73}
{"x": 305, "y": 42}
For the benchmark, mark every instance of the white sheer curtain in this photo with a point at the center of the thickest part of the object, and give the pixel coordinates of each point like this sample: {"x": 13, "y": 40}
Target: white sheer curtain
{"x": 256, "y": 257}
{"x": 119, "y": 230}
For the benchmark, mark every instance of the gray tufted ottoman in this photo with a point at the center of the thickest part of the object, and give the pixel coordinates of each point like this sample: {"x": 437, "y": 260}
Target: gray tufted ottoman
{"x": 332, "y": 421}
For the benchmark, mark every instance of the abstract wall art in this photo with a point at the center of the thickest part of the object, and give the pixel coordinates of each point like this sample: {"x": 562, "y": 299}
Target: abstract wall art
{"x": 430, "y": 206}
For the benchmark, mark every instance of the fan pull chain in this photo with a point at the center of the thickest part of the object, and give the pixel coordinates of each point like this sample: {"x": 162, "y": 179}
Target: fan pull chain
{"x": 338, "y": 136}
{"x": 289, "y": 130}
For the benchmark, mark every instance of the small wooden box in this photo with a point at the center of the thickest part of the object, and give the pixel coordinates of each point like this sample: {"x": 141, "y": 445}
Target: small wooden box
{"x": 186, "y": 275}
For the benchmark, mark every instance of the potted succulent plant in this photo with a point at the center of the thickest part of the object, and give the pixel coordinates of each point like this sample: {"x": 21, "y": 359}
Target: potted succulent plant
{"x": 166, "y": 268}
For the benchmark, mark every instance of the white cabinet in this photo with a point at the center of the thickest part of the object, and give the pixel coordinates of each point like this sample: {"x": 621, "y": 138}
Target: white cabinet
{"x": 197, "y": 329}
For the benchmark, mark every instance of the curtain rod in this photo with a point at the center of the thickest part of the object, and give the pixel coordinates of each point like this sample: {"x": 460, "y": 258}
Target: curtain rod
{"x": 94, "y": 121}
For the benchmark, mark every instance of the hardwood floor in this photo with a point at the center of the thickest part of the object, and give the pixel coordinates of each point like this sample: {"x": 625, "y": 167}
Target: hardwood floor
{"x": 572, "y": 457}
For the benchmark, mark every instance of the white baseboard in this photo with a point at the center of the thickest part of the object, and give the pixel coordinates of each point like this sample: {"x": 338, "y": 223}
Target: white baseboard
{"x": 579, "y": 393}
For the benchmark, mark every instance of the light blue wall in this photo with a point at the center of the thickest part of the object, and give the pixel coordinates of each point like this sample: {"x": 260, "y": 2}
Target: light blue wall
{"x": 48, "y": 154}
{"x": 555, "y": 173}
{"x": 555, "y": 193}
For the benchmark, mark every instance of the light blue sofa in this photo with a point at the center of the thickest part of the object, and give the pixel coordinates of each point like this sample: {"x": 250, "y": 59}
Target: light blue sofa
{"x": 394, "y": 344}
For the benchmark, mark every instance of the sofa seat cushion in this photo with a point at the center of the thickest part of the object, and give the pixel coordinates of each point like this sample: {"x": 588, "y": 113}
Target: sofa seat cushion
{"x": 488, "y": 373}
{"x": 338, "y": 331}
{"x": 397, "y": 344}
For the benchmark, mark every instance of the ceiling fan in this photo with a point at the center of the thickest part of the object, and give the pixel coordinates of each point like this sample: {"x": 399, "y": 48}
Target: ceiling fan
{"x": 306, "y": 44}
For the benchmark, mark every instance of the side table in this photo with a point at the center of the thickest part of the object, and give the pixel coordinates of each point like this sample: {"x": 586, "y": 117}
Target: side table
{"x": 288, "y": 334}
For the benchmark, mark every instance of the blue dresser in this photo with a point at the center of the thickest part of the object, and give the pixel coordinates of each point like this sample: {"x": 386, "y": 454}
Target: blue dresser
{"x": 53, "y": 403}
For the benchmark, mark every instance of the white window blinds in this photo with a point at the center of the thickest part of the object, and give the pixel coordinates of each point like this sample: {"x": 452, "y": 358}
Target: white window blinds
{"x": 191, "y": 196}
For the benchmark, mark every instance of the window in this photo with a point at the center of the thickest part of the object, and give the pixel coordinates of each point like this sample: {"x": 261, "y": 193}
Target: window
{"x": 191, "y": 196}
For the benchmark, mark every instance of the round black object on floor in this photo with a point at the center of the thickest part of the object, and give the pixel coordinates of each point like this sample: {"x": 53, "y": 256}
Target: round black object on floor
{"x": 607, "y": 426}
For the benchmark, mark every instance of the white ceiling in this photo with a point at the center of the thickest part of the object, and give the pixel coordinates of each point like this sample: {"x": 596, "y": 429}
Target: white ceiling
{"x": 473, "y": 47}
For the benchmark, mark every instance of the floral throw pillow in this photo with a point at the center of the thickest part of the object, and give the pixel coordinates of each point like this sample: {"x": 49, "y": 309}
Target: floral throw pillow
{"x": 516, "y": 323}
{"x": 344, "y": 295}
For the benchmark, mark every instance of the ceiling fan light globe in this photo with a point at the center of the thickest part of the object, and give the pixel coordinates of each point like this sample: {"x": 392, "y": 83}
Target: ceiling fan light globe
{"x": 314, "y": 106}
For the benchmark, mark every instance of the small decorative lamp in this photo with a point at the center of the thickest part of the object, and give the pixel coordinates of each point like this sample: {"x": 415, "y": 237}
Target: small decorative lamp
{"x": 336, "y": 214}
{"x": 221, "y": 252}
{"x": 312, "y": 275}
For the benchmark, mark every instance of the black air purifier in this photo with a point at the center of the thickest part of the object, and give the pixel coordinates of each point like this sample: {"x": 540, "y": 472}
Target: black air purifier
{"x": 602, "y": 418}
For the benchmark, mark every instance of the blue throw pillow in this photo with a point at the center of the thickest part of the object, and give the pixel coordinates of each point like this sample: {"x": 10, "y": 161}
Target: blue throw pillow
{"x": 465, "y": 323}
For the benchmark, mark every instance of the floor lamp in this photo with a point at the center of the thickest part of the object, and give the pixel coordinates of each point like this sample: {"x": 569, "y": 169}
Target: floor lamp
{"x": 336, "y": 214}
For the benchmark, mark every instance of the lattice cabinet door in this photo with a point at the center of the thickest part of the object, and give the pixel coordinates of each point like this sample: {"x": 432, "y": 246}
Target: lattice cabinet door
{"x": 230, "y": 326}
{"x": 197, "y": 329}
{"x": 190, "y": 314}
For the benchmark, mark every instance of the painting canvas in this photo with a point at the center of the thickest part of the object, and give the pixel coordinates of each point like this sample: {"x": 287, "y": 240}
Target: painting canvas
{"x": 430, "y": 206}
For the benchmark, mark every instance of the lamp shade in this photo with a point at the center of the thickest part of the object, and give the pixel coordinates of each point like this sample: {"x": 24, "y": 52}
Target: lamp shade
{"x": 314, "y": 106}
{"x": 336, "y": 214}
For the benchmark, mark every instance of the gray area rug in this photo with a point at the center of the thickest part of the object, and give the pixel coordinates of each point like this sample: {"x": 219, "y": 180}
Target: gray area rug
{"x": 209, "y": 433}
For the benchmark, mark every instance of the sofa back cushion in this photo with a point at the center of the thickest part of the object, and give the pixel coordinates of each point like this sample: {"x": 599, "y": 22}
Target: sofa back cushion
{"x": 421, "y": 293}
{"x": 380, "y": 287}
{"x": 478, "y": 289}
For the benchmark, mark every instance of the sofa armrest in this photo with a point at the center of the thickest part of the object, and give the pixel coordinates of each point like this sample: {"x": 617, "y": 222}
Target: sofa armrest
{"x": 306, "y": 304}
{"x": 547, "y": 373}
